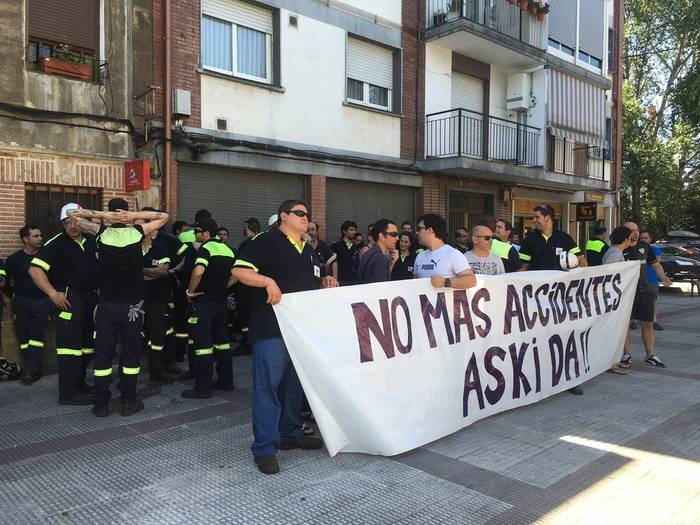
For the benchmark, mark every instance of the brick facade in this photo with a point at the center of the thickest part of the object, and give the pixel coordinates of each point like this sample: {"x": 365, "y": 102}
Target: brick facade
{"x": 316, "y": 192}
{"x": 413, "y": 80}
{"x": 432, "y": 197}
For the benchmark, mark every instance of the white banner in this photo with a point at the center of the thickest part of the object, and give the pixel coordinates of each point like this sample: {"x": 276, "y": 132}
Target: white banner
{"x": 389, "y": 367}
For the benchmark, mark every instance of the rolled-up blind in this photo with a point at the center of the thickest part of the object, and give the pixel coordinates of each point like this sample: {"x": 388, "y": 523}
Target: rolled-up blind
{"x": 73, "y": 22}
{"x": 467, "y": 92}
{"x": 592, "y": 28}
{"x": 562, "y": 22}
{"x": 239, "y": 13}
{"x": 369, "y": 63}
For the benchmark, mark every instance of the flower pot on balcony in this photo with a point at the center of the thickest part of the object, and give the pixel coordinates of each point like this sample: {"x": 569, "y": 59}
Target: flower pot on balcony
{"x": 533, "y": 10}
{"x": 524, "y": 4}
{"x": 56, "y": 66}
{"x": 540, "y": 15}
{"x": 512, "y": 2}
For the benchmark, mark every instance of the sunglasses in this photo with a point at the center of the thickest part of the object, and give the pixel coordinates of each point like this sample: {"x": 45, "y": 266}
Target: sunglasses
{"x": 485, "y": 237}
{"x": 298, "y": 213}
{"x": 392, "y": 234}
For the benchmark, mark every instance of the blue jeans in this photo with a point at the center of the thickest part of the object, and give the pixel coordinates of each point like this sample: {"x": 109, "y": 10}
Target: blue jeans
{"x": 277, "y": 397}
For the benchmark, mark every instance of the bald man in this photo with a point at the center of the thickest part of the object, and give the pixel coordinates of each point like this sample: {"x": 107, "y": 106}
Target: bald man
{"x": 644, "y": 300}
{"x": 480, "y": 257}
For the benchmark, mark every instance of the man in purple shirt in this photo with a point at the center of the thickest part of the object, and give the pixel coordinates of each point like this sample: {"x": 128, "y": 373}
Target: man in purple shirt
{"x": 377, "y": 262}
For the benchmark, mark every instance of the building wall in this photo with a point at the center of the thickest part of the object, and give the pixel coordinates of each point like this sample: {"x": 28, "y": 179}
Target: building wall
{"x": 40, "y": 91}
{"x": 311, "y": 109}
{"x": 388, "y": 9}
{"x": 433, "y": 196}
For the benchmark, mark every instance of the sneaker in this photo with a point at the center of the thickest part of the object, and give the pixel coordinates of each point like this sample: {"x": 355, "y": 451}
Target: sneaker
{"x": 657, "y": 326}
{"x": 634, "y": 325}
{"x": 577, "y": 391}
{"x": 267, "y": 464}
{"x": 303, "y": 442}
{"x": 79, "y": 399}
{"x": 131, "y": 407}
{"x": 626, "y": 360}
{"x": 195, "y": 394}
{"x": 654, "y": 361}
{"x": 100, "y": 409}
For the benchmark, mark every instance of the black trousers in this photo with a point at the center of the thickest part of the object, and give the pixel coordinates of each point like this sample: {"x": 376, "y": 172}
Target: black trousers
{"x": 210, "y": 344}
{"x": 155, "y": 327}
{"x": 118, "y": 322}
{"x": 75, "y": 340}
{"x": 31, "y": 316}
{"x": 181, "y": 326}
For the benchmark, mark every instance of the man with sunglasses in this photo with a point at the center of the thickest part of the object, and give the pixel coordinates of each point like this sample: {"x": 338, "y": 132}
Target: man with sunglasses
{"x": 277, "y": 262}
{"x": 480, "y": 258}
{"x": 378, "y": 262}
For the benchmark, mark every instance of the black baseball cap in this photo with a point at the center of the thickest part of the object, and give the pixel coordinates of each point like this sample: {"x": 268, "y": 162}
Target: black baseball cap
{"x": 253, "y": 223}
{"x": 206, "y": 224}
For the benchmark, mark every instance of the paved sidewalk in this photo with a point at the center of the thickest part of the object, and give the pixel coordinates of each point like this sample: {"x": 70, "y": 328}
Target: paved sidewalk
{"x": 628, "y": 451}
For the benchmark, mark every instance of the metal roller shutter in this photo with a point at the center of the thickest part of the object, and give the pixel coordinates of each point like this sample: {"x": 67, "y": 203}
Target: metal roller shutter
{"x": 364, "y": 203}
{"x": 562, "y": 22}
{"x": 73, "y": 22}
{"x": 239, "y": 13}
{"x": 233, "y": 195}
{"x": 592, "y": 27}
{"x": 467, "y": 92}
{"x": 370, "y": 63}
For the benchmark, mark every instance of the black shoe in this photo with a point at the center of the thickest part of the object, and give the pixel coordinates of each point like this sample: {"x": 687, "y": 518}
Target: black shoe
{"x": 27, "y": 378}
{"x": 267, "y": 464}
{"x": 172, "y": 368}
{"x": 195, "y": 394}
{"x": 227, "y": 387}
{"x": 100, "y": 409}
{"x": 131, "y": 407}
{"x": 577, "y": 391}
{"x": 303, "y": 442}
{"x": 162, "y": 377}
{"x": 185, "y": 375}
{"x": 87, "y": 389}
{"x": 79, "y": 399}
{"x": 657, "y": 326}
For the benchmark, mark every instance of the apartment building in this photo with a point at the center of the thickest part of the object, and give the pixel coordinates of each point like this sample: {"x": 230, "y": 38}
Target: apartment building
{"x": 519, "y": 110}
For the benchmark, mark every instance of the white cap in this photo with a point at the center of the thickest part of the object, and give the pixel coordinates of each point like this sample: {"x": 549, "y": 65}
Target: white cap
{"x": 272, "y": 220}
{"x": 67, "y": 208}
{"x": 567, "y": 260}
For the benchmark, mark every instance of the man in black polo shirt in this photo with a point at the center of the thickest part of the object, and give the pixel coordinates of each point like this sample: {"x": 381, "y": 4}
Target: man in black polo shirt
{"x": 207, "y": 291}
{"x": 323, "y": 251}
{"x": 596, "y": 247}
{"x": 31, "y": 306}
{"x": 277, "y": 262}
{"x": 120, "y": 309}
{"x": 65, "y": 269}
{"x": 347, "y": 253}
{"x": 542, "y": 247}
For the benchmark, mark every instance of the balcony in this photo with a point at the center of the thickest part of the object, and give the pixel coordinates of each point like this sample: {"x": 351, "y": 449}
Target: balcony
{"x": 464, "y": 133}
{"x": 577, "y": 159}
{"x": 472, "y": 27}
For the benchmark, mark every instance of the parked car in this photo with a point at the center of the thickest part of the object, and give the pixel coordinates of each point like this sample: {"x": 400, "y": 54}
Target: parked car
{"x": 679, "y": 249}
{"x": 680, "y": 268}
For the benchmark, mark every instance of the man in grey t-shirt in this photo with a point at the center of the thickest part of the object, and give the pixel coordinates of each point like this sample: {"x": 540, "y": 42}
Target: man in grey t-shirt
{"x": 480, "y": 258}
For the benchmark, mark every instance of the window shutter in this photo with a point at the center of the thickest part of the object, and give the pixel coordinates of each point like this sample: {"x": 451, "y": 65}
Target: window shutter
{"x": 370, "y": 63}
{"x": 73, "y": 22}
{"x": 562, "y": 22}
{"x": 592, "y": 27}
{"x": 239, "y": 13}
{"x": 467, "y": 92}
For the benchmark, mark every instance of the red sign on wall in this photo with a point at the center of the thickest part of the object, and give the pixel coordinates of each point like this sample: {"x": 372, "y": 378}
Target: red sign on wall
{"x": 137, "y": 175}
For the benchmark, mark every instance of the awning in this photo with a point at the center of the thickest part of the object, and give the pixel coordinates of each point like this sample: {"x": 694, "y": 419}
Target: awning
{"x": 575, "y": 109}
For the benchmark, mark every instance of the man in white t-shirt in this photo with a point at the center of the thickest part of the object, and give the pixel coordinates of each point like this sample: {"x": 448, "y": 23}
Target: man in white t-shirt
{"x": 446, "y": 266}
{"x": 480, "y": 258}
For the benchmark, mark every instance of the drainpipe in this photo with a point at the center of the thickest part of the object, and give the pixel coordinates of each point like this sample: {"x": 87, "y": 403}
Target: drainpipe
{"x": 619, "y": 31}
{"x": 167, "y": 111}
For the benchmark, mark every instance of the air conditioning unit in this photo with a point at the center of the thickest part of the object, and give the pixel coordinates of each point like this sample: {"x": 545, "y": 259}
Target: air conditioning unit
{"x": 182, "y": 103}
{"x": 518, "y": 94}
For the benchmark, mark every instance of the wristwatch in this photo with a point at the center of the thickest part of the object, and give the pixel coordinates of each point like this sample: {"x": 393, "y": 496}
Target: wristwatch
{"x": 448, "y": 283}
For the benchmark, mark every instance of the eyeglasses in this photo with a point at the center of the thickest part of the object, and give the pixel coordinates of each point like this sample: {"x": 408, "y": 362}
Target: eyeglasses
{"x": 298, "y": 213}
{"x": 485, "y": 237}
{"x": 392, "y": 234}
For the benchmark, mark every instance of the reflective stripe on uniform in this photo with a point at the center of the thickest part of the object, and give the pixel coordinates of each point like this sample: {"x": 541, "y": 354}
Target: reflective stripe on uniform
{"x": 65, "y": 315}
{"x": 224, "y": 346}
{"x": 131, "y": 371}
{"x": 24, "y": 346}
{"x": 182, "y": 249}
{"x": 34, "y": 342}
{"x": 156, "y": 348}
{"x": 244, "y": 330}
{"x": 103, "y": 372}
{"x": 241, "y": 262}
{"x": 525, "y": 257}
{"x": 171, "y": 305}
{"x": 204, "y": 351}
{"x": 595, "y": 245}
{"x": 575, "y": 250}
{"x": 192, "y": 320}
{"x": 181, "y": 335}
{"x": 42, "y": 264}
{"x": 202, "y": 261}
{"x": 69, "y": 351}
{"x": 88, "y": 351}
{"x": 170, "y": 331}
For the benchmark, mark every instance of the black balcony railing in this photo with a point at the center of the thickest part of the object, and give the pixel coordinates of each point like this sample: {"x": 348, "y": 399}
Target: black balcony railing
{"x": 464, "y": 133}
{"x": 499, "y": 15}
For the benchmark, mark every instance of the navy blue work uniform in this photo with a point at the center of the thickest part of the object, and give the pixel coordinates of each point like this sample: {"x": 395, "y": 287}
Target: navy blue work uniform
{"x": 158, "y": 321}
{"x": 542, "y": 252}
{"x": 176, "y": 250}
{"x": 277, "y": 393}
{"x": 71, "y": 266}
{"x": 120, "y": 310}
{"x": 348, "y": 261}
{"x": 31, "y": 312}
{"x": 209, "y": 318}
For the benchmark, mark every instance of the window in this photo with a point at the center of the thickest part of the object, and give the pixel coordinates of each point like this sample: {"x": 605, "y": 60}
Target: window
{"x": 237, "y": 39}
{"x": 611, "y": 49}
{"x": 607, "y": 153}
{"x": 43, "y": 203}
{"x": 590, "y": 59}
{"x": 52, "y": 31}
{"x": 370, "y": 74}
{"x": 561, "y": 47}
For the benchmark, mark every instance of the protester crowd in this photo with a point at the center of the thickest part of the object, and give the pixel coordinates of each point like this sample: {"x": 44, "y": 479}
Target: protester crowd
{"x": 116, "y": 279}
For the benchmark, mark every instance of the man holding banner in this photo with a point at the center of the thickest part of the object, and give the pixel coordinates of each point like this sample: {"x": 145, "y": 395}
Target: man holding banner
{"x": 276, "y": 262}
